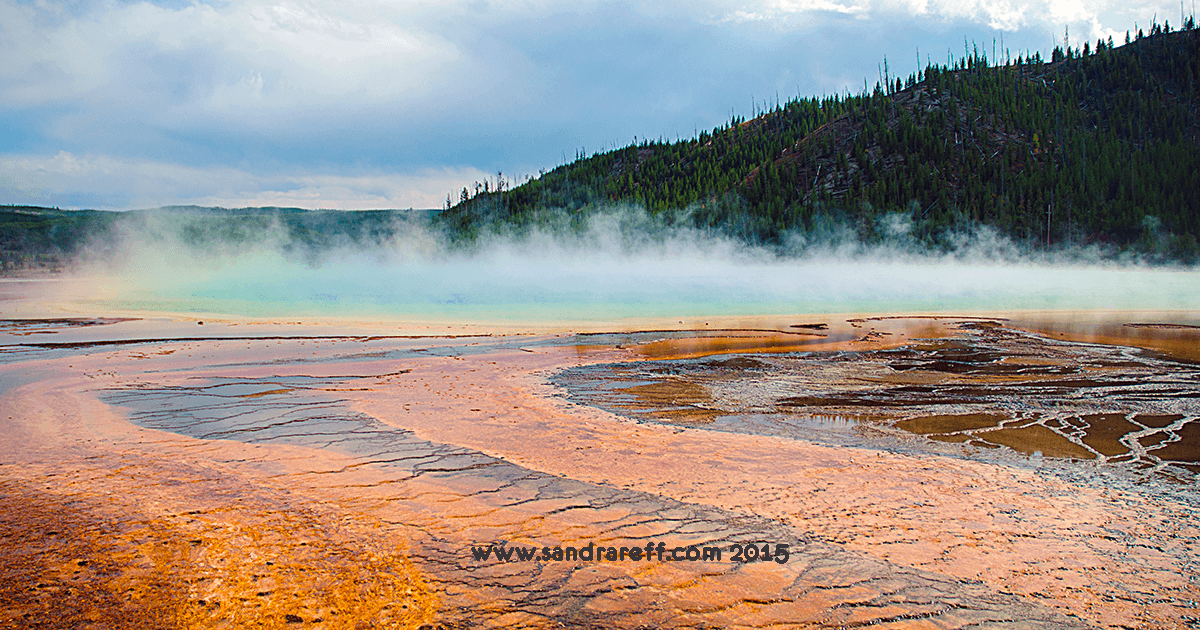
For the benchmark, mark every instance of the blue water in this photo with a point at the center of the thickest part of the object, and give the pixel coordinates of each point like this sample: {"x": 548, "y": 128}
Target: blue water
{"x": 558, "y": 285}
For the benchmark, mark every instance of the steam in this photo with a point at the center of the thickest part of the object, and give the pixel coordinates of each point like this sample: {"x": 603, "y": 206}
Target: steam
{"x": 614, "y": 265}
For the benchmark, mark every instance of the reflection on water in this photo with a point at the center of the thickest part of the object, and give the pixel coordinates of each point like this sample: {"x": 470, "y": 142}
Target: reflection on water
{"x": 986, "y": 388}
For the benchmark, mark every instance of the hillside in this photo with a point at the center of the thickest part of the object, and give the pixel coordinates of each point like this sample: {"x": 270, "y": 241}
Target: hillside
{"x": 1099, "y": 144}
{"x": 49, "y": 239}
{"x": 32, "y": 237}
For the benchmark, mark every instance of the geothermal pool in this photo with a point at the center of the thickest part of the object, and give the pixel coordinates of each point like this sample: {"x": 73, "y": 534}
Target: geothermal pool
{"x": 563, "y": 288}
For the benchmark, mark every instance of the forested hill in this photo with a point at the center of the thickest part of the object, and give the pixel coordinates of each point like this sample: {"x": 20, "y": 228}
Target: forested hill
{"x": 1099, "y": 144}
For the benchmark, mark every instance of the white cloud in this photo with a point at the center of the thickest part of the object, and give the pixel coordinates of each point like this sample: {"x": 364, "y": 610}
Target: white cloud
{"x": 1093, "y": 18}
{"x": 772, "y": 10}
{"x": 272, "y": 64}
{"x": 123, "y": 183}
{"x": 177, "y": 63}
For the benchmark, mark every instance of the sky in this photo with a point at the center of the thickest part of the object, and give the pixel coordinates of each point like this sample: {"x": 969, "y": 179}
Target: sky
{"x": 394, "y": 104}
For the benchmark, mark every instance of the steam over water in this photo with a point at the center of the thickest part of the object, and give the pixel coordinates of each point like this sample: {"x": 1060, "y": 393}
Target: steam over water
{"x": 605, "y": 274}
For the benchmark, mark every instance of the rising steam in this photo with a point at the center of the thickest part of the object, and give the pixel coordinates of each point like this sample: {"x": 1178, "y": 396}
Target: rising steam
{"x": 614, "y": 265}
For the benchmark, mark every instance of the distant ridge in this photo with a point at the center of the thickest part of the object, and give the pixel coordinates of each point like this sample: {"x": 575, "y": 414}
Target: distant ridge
{"x": 35, "y": 237}
{"x": 264, "y": 210}
{"x": 36, "y": 210}
{"x": 218, "y": 210}
{"x": 193, "y": 209}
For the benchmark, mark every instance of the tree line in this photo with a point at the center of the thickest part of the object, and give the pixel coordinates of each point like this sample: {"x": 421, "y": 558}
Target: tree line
{"x": 1098, "y": 144}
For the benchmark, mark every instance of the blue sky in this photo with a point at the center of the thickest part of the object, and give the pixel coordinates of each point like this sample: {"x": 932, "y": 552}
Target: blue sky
{"x": 393, "y": 104}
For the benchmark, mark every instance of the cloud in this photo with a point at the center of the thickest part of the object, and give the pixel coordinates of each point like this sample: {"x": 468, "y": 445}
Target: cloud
{"x": 1099, "y": 17}
{"x": 271, "y": 63}
{"x": 194, "y": 56}
{"x": 276, "y": 64}
{"x": 106, "y": 182}
{"x": 365, "y": 94}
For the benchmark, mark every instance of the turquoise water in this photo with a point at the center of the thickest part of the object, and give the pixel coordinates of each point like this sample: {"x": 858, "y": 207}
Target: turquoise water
{"x": 557, "y": 285}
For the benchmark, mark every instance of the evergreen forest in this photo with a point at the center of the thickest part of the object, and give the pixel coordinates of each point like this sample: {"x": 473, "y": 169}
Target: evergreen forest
{"x": 1099, "y": 144}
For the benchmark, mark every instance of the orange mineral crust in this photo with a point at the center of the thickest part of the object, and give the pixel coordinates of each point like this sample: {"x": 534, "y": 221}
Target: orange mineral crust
{"x": 343, "y": 480}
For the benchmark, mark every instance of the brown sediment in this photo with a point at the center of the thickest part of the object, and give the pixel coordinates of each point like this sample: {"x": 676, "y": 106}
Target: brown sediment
{"x": 1104, "y": 432}
{"x": 674, "y": 400}
{"x": 50, "y": 325}
{"x": 107, "y": 526}
{"x": 1035, "y": 438}
{"x": 1152, "y": 440}
{"x": 689, "y": 415}
{"x": 90, "y": 561}
{"x": 1184, "y": 448}
{"x": 880, "y": 318}
{"x": 1178, "y": 339}
{"x": 712, "y": 332}
{"x": 837, "y": 334}
{"x": 703, "y": 346}
{"x": 1156, "y": 420}
{"x": 954, "y": 438}
{"x": 60, "y": 570}
{"x": 951, "y": 423}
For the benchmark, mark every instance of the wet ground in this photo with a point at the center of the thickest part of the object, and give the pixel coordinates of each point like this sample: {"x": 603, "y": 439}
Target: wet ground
{"x": 483, "y": 500}
{"x": 328, "y": 481}
{"x": 986, "y": 388}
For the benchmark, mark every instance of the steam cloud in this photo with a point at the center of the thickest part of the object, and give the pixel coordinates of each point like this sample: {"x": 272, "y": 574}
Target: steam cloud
{"x": 618, "y": 264}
